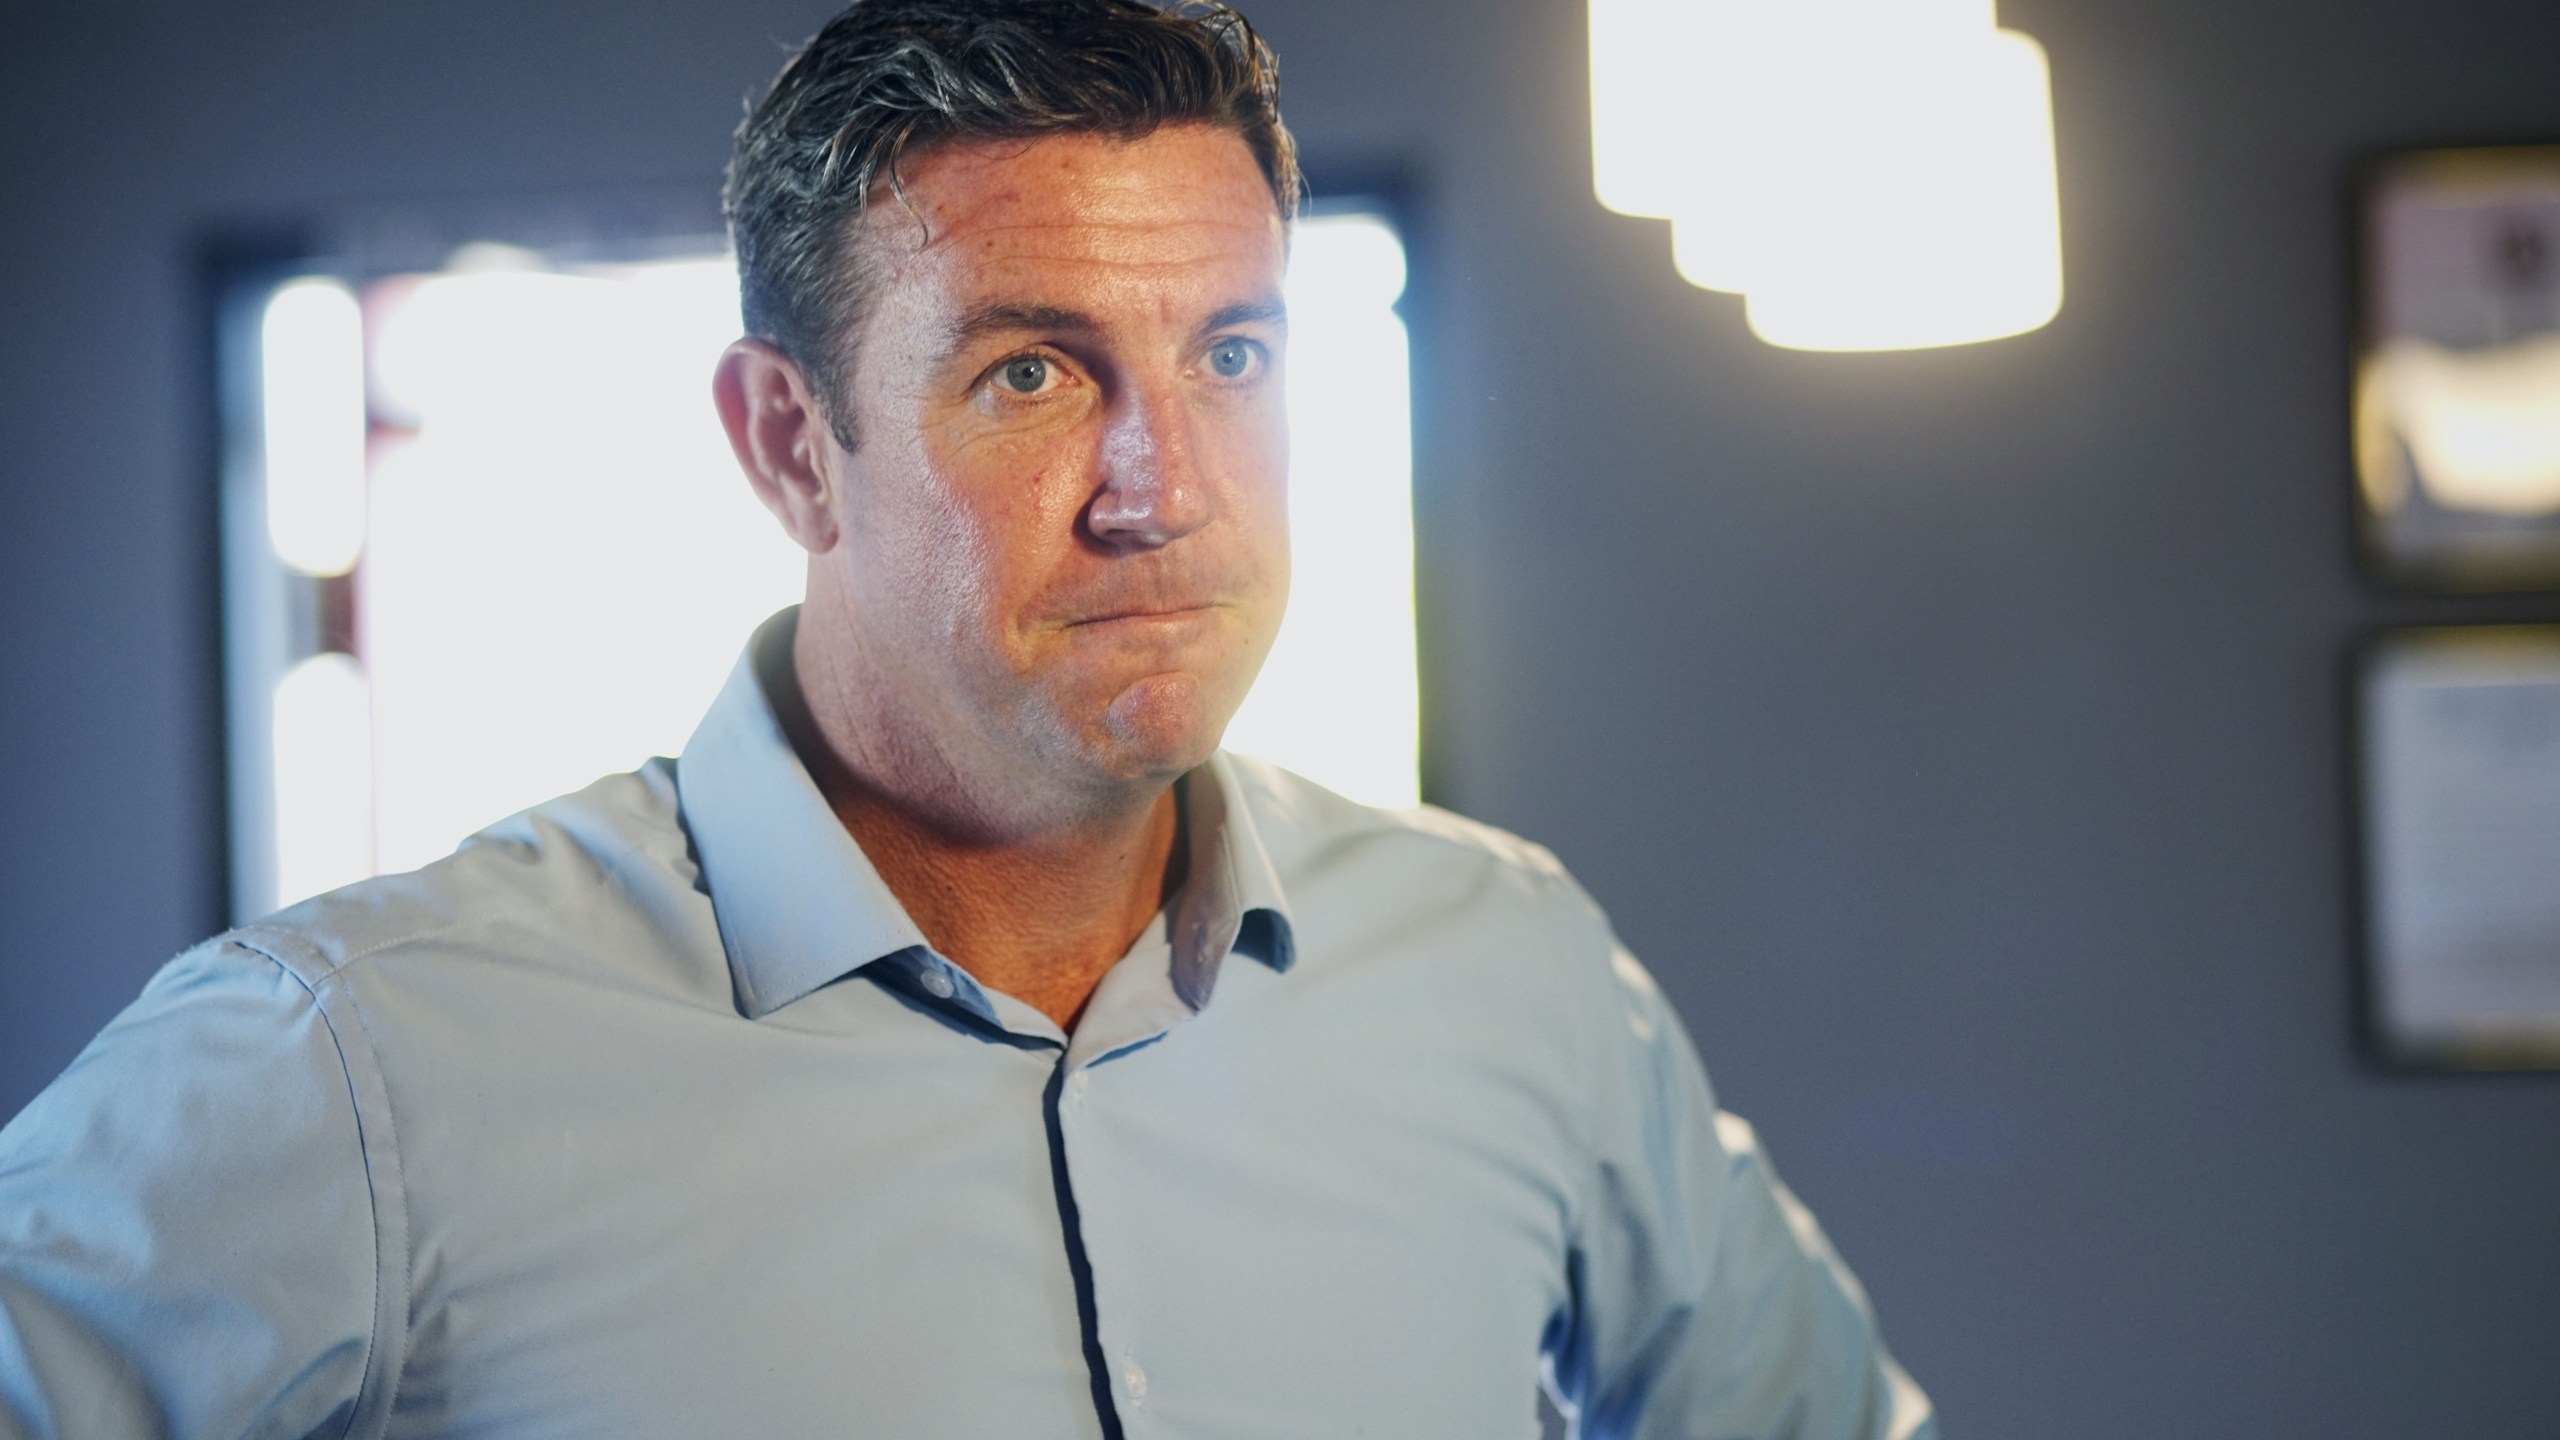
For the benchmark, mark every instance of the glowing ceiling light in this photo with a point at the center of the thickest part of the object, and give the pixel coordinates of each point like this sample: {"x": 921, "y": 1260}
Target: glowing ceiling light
{"x": 1642, "y": 108}
{"x": 1929, "y": 219}
{"x": 311, "y": 367}
{"x": 1871, "y": 174}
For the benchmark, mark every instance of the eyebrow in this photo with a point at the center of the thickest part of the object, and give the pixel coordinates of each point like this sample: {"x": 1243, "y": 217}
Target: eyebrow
{"x": 1251, "y": 312}
{"x": 1005, "y": 318}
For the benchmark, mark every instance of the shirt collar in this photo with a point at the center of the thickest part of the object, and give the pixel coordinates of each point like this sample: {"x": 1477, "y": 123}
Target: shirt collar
{"x": 799, "y": 905}
{"x": 1231, "y": 897}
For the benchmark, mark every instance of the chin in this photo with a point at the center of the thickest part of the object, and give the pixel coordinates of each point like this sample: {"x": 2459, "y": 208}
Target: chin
{"x": 1160, "y": 727}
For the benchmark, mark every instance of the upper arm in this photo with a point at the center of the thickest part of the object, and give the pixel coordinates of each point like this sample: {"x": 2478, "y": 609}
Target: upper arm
{"x": 189, "y": 1237}
{"x": 1709, "y": 1303}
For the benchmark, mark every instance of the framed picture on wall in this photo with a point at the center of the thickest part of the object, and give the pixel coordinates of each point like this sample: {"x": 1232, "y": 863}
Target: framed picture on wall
{"x": 2460, "y": 758}
{"x": 2457, "y": 371}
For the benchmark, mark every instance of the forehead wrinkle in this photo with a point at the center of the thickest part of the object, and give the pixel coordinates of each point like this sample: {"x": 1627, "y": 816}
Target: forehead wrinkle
{"x": 1067, "y": 245}
{"x": 1163, "y": 244}
{"x": 1098, "y": 201}
{"x": 1154, "y": 245}
{"x": 1091, "y": 295}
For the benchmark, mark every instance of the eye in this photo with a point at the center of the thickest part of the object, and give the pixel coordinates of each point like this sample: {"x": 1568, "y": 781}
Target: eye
{"x": 1233, "y": 359}
{"x": 1024, "y": 375}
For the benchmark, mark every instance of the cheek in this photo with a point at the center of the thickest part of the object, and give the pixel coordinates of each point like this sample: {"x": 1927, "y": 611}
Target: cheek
{"x": 956, "y": 564}
{"x": 971, "y": 540}
{"x": 916, "y": 554}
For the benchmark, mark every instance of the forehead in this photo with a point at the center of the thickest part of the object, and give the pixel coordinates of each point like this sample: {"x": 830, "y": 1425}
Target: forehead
{"x": 1184, "y": 208}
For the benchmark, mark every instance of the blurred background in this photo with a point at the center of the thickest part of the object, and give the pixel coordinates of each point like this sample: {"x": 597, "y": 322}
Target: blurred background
{"x": 1962, "y": 735}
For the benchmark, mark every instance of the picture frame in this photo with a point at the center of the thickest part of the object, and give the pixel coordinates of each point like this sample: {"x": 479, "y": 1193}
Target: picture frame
{"x": 2458, "y": 758}
{"x": 2456, "y": 371}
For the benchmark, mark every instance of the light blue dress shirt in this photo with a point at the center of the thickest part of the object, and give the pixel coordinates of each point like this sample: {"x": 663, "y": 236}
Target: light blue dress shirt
{"x": 651, "y": 1114}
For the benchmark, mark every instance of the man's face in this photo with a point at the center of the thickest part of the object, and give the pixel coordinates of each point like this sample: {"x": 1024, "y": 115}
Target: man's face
{"x": 1063, "y": 529}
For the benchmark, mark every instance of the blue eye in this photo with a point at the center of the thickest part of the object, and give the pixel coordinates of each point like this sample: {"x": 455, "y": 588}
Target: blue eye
{"x": 1024, "y": 375}
{"x": 1230, "y": 359}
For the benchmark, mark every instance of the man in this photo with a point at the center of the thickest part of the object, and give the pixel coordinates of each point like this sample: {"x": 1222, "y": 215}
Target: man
{"x": 952, "y": 1041}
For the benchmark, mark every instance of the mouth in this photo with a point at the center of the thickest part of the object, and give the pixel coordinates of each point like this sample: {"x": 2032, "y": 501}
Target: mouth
{"x": 1171, "y": 614}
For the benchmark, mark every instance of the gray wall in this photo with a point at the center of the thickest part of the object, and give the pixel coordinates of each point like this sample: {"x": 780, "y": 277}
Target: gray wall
{"x": 1959, "y": 735}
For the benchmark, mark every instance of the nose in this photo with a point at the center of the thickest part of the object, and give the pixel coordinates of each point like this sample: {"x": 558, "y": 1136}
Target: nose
{"x": 1152, "y": 491}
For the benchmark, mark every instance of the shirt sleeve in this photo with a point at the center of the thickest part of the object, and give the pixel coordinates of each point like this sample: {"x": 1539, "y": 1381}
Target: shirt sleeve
{"x": 188, "y": 1236}
{"x": 1707, "y": 1304}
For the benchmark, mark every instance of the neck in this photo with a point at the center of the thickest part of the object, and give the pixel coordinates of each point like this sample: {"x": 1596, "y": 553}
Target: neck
{"x": 1036, "y": 905}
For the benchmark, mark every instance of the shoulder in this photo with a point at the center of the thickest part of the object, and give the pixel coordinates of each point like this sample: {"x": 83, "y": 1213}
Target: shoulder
{"x": 1480, "y": 895}
{"x": 1421, "y": 864}
{"x": 1304, "y": 824}
{"x": 612, "y": 855}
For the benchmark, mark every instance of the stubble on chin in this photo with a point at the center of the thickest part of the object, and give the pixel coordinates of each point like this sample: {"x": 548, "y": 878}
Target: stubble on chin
{"x": 1161, "y": 725}
{"x": 1152, "y": 720}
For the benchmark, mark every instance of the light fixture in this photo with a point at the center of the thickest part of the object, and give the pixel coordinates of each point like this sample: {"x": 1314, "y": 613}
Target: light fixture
{"x": 1644, "y": 130}
{"x": 1869, "y": 174}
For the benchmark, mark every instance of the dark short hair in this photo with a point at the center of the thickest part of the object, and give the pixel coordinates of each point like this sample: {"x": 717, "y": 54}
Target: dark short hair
{"x": 887, "y": 78}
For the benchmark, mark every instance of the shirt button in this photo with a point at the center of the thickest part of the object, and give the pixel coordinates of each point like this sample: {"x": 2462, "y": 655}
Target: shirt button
{"x": 937, "y": 984}
{"x": 1077, "y": 1082}
{"x": 1136, "y": 1379}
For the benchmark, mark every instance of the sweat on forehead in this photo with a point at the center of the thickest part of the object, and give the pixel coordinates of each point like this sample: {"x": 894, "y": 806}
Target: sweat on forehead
{"x": 968, "y": 215}
{"x": 1071, "y": 235}
{"x": 1075, "y": 185}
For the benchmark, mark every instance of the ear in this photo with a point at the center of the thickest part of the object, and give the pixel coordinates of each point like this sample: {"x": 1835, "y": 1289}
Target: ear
{"x": 782, "y": 439}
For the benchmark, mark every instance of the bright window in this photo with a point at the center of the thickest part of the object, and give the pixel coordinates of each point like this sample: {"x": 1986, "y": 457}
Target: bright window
{"x": 484, "y": 542}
